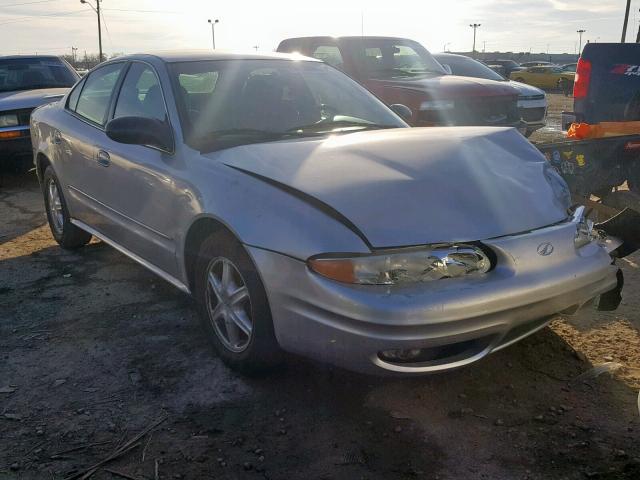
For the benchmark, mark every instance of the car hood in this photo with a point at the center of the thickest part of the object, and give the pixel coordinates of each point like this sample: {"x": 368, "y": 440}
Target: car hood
{"x": 415, "y": 186}
{"x": 30, "y": 98}
{"x": 453, "y": 86}
{"x": 526, "y": 90}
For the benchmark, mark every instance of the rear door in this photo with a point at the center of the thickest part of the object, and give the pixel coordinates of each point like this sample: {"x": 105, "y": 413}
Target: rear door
{"x": 80, "y": 137}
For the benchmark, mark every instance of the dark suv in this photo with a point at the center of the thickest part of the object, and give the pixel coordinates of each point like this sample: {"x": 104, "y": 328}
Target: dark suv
{"x": 401, "y": 71}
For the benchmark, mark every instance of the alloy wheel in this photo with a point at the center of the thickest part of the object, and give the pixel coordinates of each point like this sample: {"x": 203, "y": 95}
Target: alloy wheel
{"x": 55, "y": 206}
{"x": 229, "y": 305}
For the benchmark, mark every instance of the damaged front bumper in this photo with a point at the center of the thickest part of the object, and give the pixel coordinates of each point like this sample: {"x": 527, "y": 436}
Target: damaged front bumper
{"x": 443, "y": 324}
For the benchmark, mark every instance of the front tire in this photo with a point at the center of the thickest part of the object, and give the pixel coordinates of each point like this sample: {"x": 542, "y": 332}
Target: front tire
{"x": 64, "y": 232}
{"x": 233, "y": 306}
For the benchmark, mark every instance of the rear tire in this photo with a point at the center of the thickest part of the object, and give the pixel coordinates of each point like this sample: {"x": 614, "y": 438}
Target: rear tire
{"x": 233, "y": 306}
{"x": 64, "y": 232}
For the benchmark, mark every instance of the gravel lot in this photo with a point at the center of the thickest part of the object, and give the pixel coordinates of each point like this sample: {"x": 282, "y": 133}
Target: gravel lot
{"x": 94, "y": 349}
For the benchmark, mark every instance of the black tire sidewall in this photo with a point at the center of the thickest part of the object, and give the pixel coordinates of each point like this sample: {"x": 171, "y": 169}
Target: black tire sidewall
{"x": 49, "y": 174}
{"x": 71, "y": 237}
{"x": 263, "y": 351}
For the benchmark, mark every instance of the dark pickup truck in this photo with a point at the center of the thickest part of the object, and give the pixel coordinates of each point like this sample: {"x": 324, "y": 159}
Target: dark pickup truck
{"x": 401, "y": 71}
{"x": 606, "y": 89}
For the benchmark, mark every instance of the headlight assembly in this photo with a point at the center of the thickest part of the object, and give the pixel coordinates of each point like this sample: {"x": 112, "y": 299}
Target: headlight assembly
{"x": 432, "y": 262}
{"x": 8, "y": 120}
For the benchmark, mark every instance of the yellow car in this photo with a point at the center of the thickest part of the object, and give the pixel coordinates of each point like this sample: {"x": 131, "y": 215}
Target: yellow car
{"x": 545, "y": 77}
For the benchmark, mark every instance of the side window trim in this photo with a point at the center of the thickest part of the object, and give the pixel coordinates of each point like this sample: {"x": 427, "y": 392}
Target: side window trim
{"x": 85, "y": 119}
{"x": 79, "y": 86}
{"x": 117, "y": 88}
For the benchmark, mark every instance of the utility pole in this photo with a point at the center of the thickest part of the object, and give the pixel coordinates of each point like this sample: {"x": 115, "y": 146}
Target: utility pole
{"x": 213, "y": 31}
{"x": 475, "y": 27}
{"x": 580, "y": 32}
{"x": 73, "y": 54}
{"x": 97, "y": 10}
{"x": 626, "y": 21}
{"x": 484, "y": 46}
{"x": 256, "y": 47}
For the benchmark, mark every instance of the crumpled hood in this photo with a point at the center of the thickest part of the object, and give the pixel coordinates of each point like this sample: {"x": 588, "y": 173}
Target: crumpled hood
{"x": 30, "y": 98}
{"x": 453, "y": 86}
{"x": 415, "y": 186}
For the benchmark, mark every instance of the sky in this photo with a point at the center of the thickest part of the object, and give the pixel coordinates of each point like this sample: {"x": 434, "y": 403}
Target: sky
{"x": 55, "y": 26}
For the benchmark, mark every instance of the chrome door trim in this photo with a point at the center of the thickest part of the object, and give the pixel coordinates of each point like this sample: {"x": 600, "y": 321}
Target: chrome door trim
{"x": 158, "y": 271}
{"x": 133, "y": 220}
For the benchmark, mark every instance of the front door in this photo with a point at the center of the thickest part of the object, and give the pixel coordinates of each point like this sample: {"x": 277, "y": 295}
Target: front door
{"x": 143, "y": 195}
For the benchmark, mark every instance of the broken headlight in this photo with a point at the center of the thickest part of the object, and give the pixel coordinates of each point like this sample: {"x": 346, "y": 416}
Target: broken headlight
{"x": 432, "y": 262}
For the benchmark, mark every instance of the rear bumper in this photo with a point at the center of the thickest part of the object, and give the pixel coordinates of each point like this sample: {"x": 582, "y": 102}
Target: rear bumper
{"x": 455, "y": 322}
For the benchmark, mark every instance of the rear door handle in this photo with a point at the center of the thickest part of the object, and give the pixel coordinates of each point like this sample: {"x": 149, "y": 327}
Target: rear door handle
{"x": 103, "y": 158}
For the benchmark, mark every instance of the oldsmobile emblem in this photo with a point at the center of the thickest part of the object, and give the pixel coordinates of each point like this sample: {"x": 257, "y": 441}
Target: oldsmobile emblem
{"x": 545, "y": 249}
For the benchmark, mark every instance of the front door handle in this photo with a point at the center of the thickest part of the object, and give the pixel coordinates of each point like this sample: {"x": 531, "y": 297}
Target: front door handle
{"x": 103, "y": 158}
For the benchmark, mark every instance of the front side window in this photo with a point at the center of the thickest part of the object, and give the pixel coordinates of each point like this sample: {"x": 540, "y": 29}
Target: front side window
{"x": 95, "y": 97}
{"x": 271, "y": 98}
{"x": 35, "y": 73}
{"x": 141, "y": 95}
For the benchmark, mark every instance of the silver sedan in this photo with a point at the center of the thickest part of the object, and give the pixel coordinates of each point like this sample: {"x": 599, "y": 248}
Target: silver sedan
{"x": 303, "y": 215}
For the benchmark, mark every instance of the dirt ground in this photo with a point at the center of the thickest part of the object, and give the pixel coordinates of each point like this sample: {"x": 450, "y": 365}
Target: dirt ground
{"x": 94, "y": 350}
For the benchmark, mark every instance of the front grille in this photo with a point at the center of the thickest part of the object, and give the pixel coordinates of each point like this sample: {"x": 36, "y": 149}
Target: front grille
{"x": 24, "y": 116}
{"x": 532, "y": 114}
{"x": 489, "y": 111}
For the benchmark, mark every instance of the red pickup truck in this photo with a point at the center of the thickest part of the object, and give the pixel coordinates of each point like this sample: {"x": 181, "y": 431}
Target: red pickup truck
{"x": 401, "y": 71}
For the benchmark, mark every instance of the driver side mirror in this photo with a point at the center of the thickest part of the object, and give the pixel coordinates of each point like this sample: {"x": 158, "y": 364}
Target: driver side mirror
{"x": 402, "y": 111}
{"x": 141, "y": 131}
{"x": 447, "y": 68}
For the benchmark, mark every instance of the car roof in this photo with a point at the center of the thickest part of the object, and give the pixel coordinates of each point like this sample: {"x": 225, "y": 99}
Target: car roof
{"x": 25, "y": 57}
{"x": 172, "y": 56}
{"x": 348, "y": 37}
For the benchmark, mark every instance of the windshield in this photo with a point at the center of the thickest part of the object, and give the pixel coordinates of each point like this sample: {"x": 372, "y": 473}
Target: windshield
{"x": 467, "y": 67}
{"x": 35, "y": 73}
{"x": 231, "y": 102}
{"x": 392, "y": 58}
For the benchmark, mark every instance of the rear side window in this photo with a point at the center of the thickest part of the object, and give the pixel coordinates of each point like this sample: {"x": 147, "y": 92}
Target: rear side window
{"x": 93, "y": 102}
{"x": 141, "y": 95}
{"x": 329, "y": 54}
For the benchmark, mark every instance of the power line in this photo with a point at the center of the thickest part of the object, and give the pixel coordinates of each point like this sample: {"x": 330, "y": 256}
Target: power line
{"x": 50, "y": 15}
{"x": 27, "y": 3}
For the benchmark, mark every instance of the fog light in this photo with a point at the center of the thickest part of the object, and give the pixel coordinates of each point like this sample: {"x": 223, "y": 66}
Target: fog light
{"x": 401, "y": 355}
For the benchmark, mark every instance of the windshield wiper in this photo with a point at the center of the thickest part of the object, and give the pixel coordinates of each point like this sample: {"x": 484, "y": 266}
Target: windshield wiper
{"x": 234, "y": 137}
{"x": 335, "y": 125}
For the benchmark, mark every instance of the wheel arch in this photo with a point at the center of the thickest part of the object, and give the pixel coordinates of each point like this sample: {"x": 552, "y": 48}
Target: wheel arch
{"x": 42, "y": 162}
{"x": 199, "y": 230}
